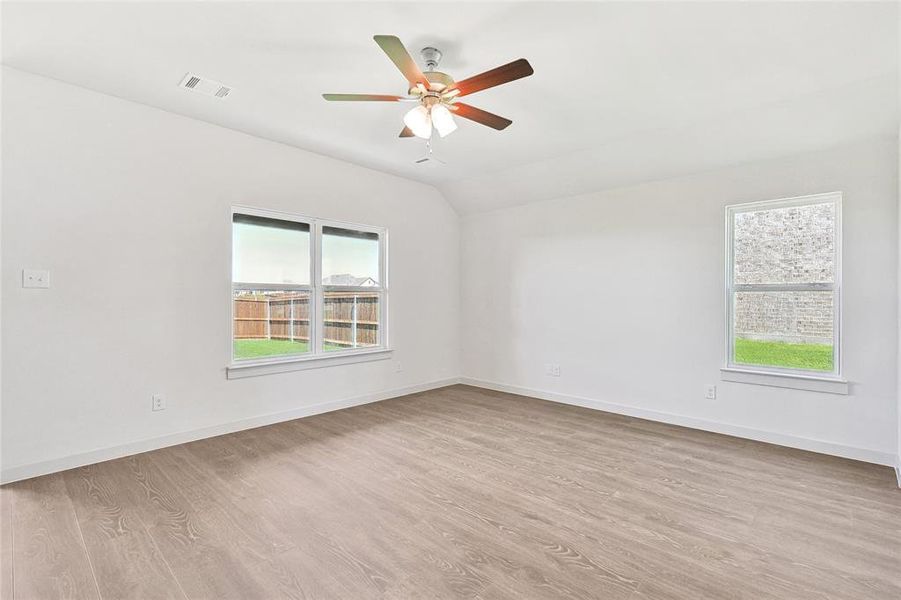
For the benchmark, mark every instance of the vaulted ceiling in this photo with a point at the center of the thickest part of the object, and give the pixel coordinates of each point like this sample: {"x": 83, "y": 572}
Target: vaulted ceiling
{"x": 622, "y": 92}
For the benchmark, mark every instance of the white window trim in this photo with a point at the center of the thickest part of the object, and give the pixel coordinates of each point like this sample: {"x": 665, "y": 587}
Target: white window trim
{"x": 775, "y": 376}
{"x": 267, "y": 367}
{"x": 316, "y": 357}
{"x": 796, "y": 382}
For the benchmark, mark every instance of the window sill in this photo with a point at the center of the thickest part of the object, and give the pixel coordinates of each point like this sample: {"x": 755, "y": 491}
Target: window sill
{"x": 256, "y": 368}
{"x": 812, "y": 383}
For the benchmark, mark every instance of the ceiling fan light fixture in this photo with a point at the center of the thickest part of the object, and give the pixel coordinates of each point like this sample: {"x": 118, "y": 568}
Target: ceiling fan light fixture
{"x": 419, "y": 122}
{"x": 436, "y": 92}
{"x": 443, "y": 120}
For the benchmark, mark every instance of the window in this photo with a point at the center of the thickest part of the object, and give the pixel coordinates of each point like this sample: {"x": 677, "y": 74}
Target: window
{"x": 783, "y": 286}
{"x": 305, "y": 288}
{"x": 352, "y": 294}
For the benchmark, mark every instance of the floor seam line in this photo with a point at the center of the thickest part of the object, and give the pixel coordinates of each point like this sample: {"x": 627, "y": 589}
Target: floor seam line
{"x": 84, "y": 545}
{"x": 162, "y": 556}
{"x": 12, "y": 544}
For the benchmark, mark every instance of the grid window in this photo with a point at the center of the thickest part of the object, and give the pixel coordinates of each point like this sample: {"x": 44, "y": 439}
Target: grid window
{"x": 303, "y": 288}
{"x": 783, "y": 285}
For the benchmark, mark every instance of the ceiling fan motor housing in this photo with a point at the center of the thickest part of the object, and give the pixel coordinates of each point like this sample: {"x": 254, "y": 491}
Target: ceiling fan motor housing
{"x": 438, "y": 81}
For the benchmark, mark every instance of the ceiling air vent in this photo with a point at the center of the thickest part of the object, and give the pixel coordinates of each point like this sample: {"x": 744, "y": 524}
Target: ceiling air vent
{"x": 207, "y": 87}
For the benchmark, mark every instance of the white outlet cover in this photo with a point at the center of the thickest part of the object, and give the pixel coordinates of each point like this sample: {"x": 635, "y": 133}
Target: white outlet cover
{"x": 35, "y": 278}
{"x": 157, "y": 402}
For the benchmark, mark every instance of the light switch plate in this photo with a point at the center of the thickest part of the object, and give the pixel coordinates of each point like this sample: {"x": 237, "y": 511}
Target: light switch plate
{"x": 35, "y": 278}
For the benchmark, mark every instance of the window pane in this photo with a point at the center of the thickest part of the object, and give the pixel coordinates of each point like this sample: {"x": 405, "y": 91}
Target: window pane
{"x": 270, "y": 251}
{"x": 349, "y": 257}
{"x": 793, "y": 244}
{"x": 270, "y": 323}
{"x": 351, "y": 320}
{"x": 792, "y": 330}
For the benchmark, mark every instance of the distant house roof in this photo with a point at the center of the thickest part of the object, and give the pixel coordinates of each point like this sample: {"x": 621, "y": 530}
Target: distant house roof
{"x": 348, "y": 279}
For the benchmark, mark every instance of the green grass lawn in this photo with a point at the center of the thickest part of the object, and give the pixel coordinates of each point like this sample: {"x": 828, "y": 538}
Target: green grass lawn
{"x": 263, "y": 348}
{"x": 267, "y": 348}
{"x": 816, "y": 357}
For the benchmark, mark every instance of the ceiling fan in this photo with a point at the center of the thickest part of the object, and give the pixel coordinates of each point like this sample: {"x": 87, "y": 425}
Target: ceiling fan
{"x": 436, "y": 93}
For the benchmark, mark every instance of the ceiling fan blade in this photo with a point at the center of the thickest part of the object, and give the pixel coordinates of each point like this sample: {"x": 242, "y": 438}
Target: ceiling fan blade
{"x": 406, "y": 132}
{"x": 489, "y": 79}
{"x": 362, "y": 98}
{"x": 480, "y": 116}
{"x": 399, "y": 56}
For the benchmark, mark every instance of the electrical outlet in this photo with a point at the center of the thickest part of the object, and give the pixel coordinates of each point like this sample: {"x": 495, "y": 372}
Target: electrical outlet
{"x": 398, "y": 367}
{"x": 552, "y": 370}
{"x": 158, "y": 402}
{"x": 710, "y": 392}
{"x": 35, "y": 278}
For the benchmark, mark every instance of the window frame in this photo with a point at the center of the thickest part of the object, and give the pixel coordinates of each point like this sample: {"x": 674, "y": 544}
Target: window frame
{"x": 316, "y": 291}
{"x": 731, "y": 287}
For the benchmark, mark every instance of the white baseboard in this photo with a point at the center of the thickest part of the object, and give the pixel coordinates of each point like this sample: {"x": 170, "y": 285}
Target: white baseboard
{"x": 27, "y": 471}
{"x": 780, "y": 439}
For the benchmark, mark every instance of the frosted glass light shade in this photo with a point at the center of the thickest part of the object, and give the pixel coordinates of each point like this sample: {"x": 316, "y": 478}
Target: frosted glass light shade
{"x": 419, "y": 122}
{"x": 443, "y": 120}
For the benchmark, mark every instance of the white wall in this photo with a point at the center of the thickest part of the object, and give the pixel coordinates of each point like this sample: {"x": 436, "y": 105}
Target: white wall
{"x": 128, "y": 206}
{"x": 623, "y": 289}
{"x": 898, "y": 457}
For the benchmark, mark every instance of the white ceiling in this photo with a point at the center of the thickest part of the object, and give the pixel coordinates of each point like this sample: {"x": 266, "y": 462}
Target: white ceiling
{"x": 622, "y": 92}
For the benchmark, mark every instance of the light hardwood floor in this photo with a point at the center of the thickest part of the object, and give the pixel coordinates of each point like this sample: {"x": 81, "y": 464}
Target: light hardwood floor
{"x": 458, "y": 493}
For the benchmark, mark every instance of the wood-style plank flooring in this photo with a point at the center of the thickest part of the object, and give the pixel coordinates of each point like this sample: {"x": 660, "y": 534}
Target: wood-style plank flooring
{"x": 458, "y": 493}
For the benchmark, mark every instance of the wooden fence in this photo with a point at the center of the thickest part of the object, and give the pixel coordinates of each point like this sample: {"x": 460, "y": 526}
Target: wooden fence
{"x": 350, "y": 318}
